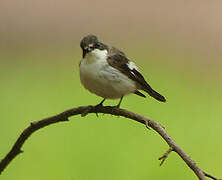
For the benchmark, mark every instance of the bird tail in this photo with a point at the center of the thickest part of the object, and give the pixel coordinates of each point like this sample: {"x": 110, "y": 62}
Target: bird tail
{"x": 155, "y": 94}
{"x": 146, "y": 87}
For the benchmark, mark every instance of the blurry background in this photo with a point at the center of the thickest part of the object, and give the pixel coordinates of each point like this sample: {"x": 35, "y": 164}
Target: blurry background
{"x": 176, "y": 44}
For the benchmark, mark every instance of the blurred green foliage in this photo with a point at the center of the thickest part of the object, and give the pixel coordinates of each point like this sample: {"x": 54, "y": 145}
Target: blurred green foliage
{"x": 37, "y": 84}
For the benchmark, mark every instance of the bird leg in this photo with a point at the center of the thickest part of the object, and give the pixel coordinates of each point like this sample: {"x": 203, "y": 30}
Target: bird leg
{"x": 99, "y": 105}
{"x": 118, "y": 105}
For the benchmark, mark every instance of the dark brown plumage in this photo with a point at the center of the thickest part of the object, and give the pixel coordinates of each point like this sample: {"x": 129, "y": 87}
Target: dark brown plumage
{"x": 118, "y": 60}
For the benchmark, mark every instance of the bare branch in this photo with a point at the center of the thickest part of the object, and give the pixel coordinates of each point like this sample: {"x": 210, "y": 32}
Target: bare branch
{"x": 83, "y": 111}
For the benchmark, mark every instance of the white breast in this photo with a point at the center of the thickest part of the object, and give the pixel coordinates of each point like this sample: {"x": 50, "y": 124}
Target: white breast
{"x": 96, "y": 56}
{"x": 103, "y": 80}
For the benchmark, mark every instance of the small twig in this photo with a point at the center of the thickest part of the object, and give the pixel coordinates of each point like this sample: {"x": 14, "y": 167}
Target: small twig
{"x": 165, "y": 156}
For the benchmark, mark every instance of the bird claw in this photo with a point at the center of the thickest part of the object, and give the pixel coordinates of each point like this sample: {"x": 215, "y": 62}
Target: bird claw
{"x": 98, "y": 106}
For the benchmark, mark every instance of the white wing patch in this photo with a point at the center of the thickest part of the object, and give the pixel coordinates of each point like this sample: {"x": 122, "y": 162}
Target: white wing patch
{"x": 132, "y": 66}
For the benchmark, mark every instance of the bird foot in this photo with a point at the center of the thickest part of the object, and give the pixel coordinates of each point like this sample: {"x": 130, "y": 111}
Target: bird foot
{"x": 96, "y": 107}
{"x": 92, "y": 108}
{"x": 113, "y": 108}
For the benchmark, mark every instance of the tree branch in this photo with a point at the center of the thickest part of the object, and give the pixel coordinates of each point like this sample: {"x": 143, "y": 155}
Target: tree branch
{"x": 84, "y": 110}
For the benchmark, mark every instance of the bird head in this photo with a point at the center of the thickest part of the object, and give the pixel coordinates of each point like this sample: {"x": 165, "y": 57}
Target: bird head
{"x": 91, "y": 42}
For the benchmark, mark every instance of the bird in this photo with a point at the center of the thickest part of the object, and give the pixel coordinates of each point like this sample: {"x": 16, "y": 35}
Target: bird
{"x": 107, "y": 72}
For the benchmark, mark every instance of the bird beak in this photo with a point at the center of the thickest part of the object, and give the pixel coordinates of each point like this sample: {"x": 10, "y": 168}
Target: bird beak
{"x": 88, "y": 49}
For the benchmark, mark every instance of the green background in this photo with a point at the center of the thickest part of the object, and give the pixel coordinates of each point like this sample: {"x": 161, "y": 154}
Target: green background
{"x": 40, "y": 78}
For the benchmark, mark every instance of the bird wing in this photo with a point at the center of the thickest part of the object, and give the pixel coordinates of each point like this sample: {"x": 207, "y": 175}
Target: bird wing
{"x": 118, "y": 60}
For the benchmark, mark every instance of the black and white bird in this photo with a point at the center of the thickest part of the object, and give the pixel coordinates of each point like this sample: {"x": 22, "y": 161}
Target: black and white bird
{"x": 107, "y": 72}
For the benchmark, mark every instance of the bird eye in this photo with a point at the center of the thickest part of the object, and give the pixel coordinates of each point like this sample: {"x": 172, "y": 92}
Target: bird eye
{"x": 97, "y": 45}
